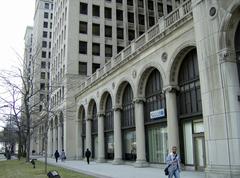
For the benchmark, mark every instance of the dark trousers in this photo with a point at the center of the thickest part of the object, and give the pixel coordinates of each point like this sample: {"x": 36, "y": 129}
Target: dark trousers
{"x": 56, "y": 159}
{"x": 88, "y": 160}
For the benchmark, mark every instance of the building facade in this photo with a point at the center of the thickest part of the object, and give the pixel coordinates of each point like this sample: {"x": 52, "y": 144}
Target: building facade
{"x": 176, "y": 84}
{"x": 40, "y": 66}
{"x": 86, "y": 35}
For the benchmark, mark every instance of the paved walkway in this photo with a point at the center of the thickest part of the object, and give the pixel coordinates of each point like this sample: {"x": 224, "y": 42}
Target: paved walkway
{"x": 107, "y": 170}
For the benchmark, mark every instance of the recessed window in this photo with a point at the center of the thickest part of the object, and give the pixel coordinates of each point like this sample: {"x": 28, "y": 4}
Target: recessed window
{"x": 43, "y": 64}
{"x": 130, "y": 17}
{"x": 95, "y": 67}
{"x": 96, "y": 49}
{"x": 120, "y": 15}
{"x": 130, "y": 2}
{"x": 150, "y": 4}
{"x": 96, "y": 11}
{"x": 83, "y": 27}
{"x": 140, "y": 4}
{"x": 45, "y": 34}
{"x": 151, "y": 21}
{"x": 141, "y": 19}
{"x": 44, "y": 44}
{"x": 45, "y": 24}
{"x": 42, "y": 86}
{"x": 108, "y": 50}
{"x": 160, "y": 9}
{"x": 82, "y": 68}
{"x": 96, "y": 29}
{"x": 108, "y": 31}
{"x": 83, "y": 8}
{"x": 120, "y": 33}
{"x": 43, "y": 75}
{"x": 169, "y": 9}
{"x": 119, "y": 49}
{"x": 119, "y": 1}
{"x": 45, "y": 15}
{"x": 44, "y": 54}
{"x": 82, "y": 47}
{"x": 46, "y": 5}
{"x": 108, "y": 13}
{"x": 131, "y": 35}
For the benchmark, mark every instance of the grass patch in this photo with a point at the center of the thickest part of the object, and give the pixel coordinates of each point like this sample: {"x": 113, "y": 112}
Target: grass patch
{"x": 21, "y": 169}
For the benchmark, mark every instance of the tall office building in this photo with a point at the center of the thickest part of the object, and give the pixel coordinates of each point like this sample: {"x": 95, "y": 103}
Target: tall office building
{"x": 40, "y": 65}
{"x": 86, "y": 35}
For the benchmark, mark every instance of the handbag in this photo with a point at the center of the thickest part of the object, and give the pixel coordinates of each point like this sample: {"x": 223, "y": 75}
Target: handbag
{"x": 166, "y": 170}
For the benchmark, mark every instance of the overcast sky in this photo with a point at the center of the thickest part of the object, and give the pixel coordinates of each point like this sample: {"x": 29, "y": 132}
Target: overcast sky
{"x": 15, "y": 16}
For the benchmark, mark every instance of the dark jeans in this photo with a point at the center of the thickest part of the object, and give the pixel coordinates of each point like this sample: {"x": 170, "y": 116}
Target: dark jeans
{"x": 88, "y": 160}
{"x": 56, "y": 160}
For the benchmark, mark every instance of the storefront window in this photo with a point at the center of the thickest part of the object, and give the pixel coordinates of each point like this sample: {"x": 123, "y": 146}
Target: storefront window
{"x": 130, "y": 145}
{"x": 109, "y": 146}
{"x": 188, "y": 142}
{"x": 158, "y": 141}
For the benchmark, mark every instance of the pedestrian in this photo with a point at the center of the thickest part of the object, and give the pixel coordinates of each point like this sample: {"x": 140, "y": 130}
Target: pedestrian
{"x": 173, "y": 163}
{"x": 56, "y": 154}
{"x": 63, "y": 155}
{"x": 88, "y": 154}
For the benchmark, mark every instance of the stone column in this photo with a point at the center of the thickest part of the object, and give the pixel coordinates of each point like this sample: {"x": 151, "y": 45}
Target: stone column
{"x": 172, "y": 119}
{"x": 54, "y": 139}
{"x": 101, "y": 145}
{"x": 89, "y": 134}
{"x": 140, "y": 133}
{"x": 50, "y": 142}
{"x": 117, "y": 136}
{"x": 59, "y": 136}
{"x": 219, "y": 86}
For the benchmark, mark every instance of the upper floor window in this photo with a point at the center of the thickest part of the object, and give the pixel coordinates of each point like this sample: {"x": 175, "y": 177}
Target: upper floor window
{"x": 108, "y": 13}
{"x": 83, "y": 27}
{"x": 82, "y": 68}
{"x": 46, "y": 5}
{"x": 83, "y": 8}
{"x": 96, "y": 11}
{"x": 96, "y": 29}
{"x": 45, "y": 15}
{"x": 82, "y": 47}
{"x": 45, "y": 24}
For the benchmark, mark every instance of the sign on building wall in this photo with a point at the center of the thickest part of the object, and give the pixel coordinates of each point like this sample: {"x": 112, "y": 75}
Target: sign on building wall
{"x": 157, "y": 113}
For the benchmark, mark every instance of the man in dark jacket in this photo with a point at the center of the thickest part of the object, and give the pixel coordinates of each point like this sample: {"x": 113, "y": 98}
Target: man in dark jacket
{"x": 88, "y": 154}
{"x": 56, "y": 155}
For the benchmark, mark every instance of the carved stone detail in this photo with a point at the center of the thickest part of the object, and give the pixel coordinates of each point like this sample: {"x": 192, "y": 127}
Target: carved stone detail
{"x": 164, "y": 56}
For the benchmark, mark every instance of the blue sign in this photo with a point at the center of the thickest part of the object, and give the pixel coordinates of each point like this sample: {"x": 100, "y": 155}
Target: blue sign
{"x": 157, "y": 113}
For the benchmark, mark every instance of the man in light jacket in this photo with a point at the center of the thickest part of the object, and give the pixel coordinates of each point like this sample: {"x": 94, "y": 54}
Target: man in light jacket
{"x": 173, "y": 163}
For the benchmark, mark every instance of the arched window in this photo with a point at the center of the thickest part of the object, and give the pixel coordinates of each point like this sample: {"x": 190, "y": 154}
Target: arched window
{"x": 128, "y": 125}
{"x": 155, "y": 99}
{"x": 108, "y": 129}
{"x": 128, "y": 108}
{"x": 94, "y": 120}
{"x": 190, "y": 95}
{"x": 83, "y": 123}
{"x": 108, "y": 121}
{"x": 94, "y": 132}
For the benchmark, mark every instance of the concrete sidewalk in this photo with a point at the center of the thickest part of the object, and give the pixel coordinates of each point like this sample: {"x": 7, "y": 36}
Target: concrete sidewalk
{"x": 107, "y": 170}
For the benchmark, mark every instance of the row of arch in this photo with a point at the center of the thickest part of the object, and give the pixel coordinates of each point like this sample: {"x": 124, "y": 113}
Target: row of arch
{"x": 152, "y": 95}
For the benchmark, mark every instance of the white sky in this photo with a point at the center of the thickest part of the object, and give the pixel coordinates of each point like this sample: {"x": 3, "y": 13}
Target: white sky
{"x": 15, "y": 16}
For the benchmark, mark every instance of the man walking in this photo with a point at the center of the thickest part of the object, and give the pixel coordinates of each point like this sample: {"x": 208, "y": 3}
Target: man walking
{"x": 56, "y": 155}
{"x": 88, "y": 154}
{"x": 173, "y": 163}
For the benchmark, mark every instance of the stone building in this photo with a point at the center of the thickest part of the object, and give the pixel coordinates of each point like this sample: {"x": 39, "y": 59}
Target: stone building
{"x": 39, "y": 65}
{"x": 176, "y": 84}
{"x": 86, "y": 35}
